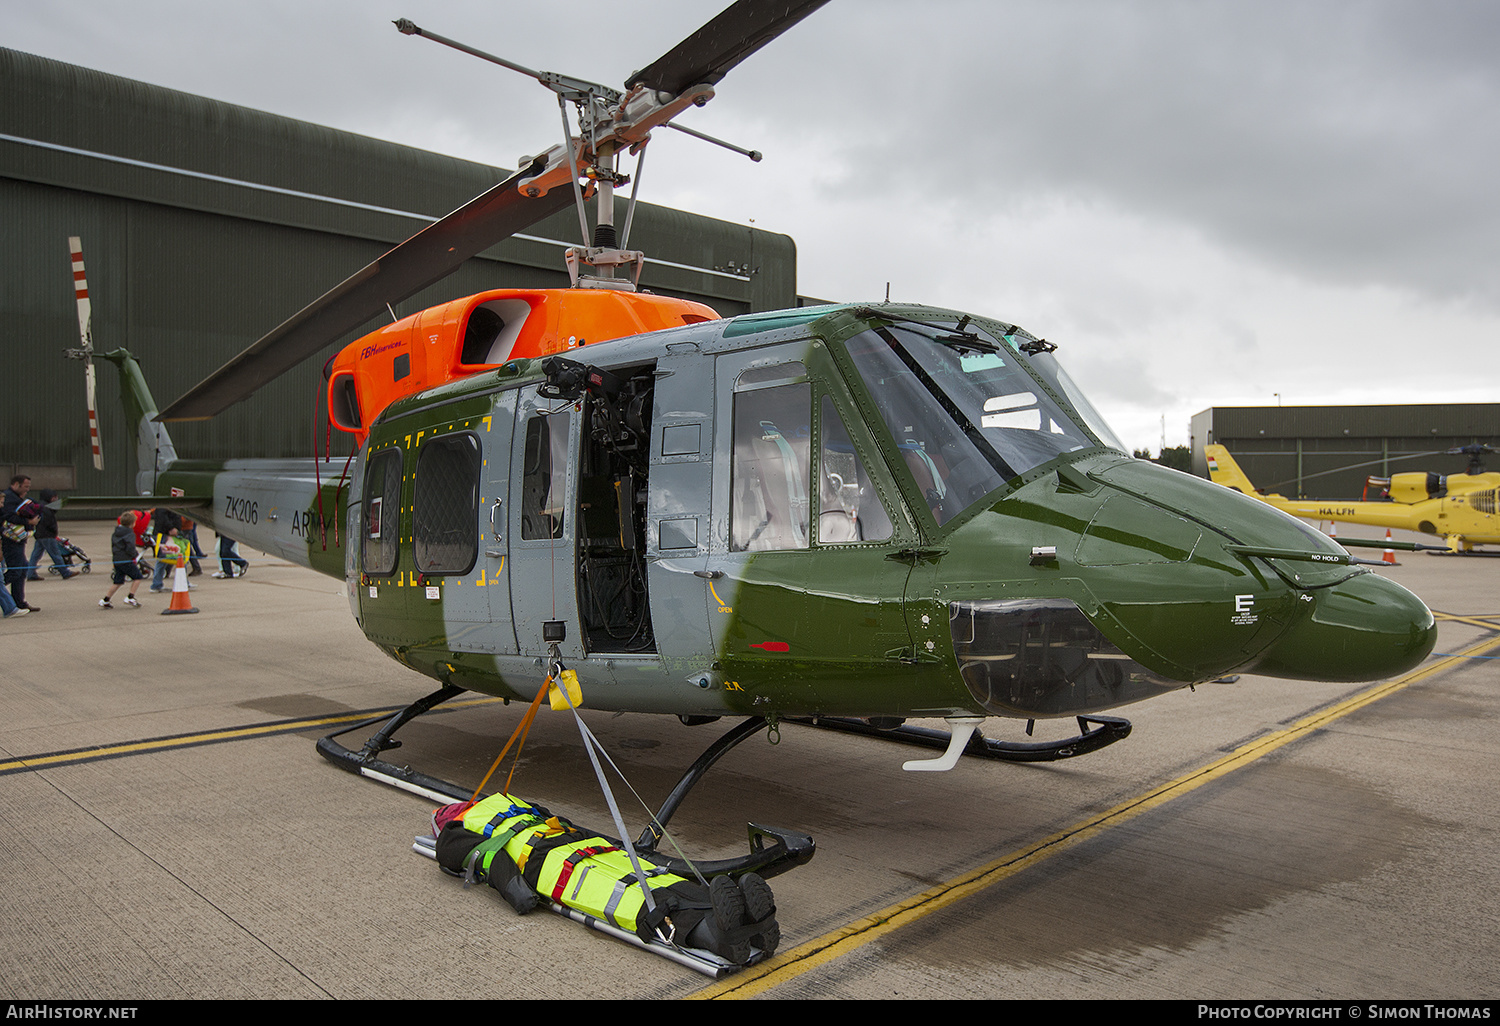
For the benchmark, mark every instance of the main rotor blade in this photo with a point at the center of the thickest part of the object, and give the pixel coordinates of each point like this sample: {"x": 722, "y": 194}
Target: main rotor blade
{"x": 427, "y": 257}
{"x": 734, "y": 34}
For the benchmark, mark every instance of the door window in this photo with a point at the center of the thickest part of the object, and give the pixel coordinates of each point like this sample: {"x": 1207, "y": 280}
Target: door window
{"x": 445, "y": 512}
{"x": 544, "y": 476}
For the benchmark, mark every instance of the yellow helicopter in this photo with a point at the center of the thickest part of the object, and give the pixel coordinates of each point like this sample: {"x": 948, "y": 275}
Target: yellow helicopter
{"x": 1459, "y": 507}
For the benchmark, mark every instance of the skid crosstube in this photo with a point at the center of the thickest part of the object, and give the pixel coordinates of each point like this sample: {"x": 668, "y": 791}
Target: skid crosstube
{"x": 773, "y": 850}
{"x": 1106, "y": 731}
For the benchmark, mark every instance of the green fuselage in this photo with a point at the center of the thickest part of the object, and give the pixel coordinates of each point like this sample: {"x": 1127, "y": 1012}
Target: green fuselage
{"x": 842, "y": 511}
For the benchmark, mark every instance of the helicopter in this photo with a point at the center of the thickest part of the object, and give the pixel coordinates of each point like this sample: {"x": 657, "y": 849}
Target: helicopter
{"x": 1460, "y": 507}
{"x": 851, "y": 514}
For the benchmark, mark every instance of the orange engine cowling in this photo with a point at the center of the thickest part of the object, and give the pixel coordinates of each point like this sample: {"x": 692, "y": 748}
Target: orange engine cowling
{"x": 481, "y": 332}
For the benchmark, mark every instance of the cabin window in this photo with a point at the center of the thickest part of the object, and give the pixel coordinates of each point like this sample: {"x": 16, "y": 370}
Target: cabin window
{"x": 382, "y": 512}
{"x": 544, "y": 476}
{"x": 445, "y": 506}
{"x": 849, "y": 510}
{"x": 769, "y": 475}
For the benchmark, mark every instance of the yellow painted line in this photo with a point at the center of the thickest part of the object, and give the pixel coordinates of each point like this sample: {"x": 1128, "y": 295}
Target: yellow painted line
{"x": 815, "y": 953}
{"x": 34, "y": 762}
{"x": 1482, "y": 620}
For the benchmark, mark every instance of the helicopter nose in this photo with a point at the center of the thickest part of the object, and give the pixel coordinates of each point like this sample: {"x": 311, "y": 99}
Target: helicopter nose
{"x": 1365, "y": 628}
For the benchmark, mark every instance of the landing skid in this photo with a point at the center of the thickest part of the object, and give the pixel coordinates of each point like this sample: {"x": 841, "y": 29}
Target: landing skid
{"x": 1107, "y": 730}
{"x": 772, "y": 850}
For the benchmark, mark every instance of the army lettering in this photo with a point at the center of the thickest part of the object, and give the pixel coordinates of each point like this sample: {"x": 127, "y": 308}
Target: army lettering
{"x": 305, "y": 522}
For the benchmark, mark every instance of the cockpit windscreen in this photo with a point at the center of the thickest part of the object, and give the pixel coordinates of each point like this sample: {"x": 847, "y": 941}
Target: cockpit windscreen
{"x": 966, "y": 416}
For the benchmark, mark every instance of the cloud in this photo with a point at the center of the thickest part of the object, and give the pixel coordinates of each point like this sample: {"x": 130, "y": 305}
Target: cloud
{"x": 1202, "y": 201}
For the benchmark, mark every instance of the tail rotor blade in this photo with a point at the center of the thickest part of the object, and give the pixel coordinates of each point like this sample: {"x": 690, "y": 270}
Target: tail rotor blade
{"x": 86, "y": 345}
{"x": 88, "y": 377}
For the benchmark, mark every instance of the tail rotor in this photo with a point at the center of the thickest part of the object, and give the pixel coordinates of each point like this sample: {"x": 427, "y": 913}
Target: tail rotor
{"x": 85, "y": 351}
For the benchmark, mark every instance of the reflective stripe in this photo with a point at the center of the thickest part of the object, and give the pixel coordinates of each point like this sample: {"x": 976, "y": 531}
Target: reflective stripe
{"x": 579, "y": 885}
{"x": 621, "y": 886}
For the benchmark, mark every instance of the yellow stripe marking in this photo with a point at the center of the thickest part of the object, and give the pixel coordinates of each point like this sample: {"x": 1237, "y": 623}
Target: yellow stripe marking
{"x": 209, "y": 737}
{"x": 791, "y": 964}
{"x": 1482, "y": 620}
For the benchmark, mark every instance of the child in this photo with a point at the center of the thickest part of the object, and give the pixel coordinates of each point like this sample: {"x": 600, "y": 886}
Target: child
{"x": 123, "y": 552}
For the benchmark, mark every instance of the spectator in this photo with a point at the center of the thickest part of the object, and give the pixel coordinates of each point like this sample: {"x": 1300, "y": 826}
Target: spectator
{"x": 229, "y": 557}
{"x": 123, "y": 553}
{"x": 45, "y": 540}
{"x": 18, "y": 514}
{"x": 8, "y": 605}
{"x": 194, "y": 551}
{"x": 164, "y": 525}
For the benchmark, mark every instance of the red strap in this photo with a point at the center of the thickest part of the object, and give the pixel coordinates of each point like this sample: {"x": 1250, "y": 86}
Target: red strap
{"x": 572, "y": 860}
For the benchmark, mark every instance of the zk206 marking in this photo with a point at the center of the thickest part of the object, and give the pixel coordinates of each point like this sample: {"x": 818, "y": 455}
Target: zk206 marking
{"x": 246, "y": 511}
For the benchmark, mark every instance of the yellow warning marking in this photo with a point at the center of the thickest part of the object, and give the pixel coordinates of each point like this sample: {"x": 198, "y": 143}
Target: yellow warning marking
{"x": 722, "y": 604}
{"x": 791, "y": 964}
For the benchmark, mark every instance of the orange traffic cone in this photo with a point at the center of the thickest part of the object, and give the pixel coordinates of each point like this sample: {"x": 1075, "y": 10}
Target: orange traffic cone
{"x": 1333, "y": 529}
{"x": 180, "y": 602}
{"x": 1390, "y": 554}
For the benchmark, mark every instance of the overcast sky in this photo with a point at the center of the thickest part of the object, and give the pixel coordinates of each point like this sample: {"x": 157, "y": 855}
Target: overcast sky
{"x": 1202, "y": 203}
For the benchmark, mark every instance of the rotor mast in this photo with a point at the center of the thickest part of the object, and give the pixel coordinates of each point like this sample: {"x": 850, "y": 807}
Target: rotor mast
{"x": 610, "y": 122}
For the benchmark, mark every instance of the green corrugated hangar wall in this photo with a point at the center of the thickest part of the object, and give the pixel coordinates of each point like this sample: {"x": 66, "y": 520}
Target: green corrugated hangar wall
{"x": 205, "y": 225}
{"x": 1329, "y": 451}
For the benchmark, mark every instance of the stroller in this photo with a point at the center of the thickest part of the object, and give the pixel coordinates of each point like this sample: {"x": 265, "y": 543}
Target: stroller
{"x": 71, "y": 552}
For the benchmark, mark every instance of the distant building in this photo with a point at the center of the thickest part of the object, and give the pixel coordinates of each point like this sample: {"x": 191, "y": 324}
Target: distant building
{"x": 205, "y": 225}
{"x": 1329, "y": 451}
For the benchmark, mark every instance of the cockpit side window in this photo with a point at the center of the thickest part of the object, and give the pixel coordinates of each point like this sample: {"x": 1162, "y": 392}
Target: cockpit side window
{"x": 849, "y": 509}
{"x": 772, "y": 464}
